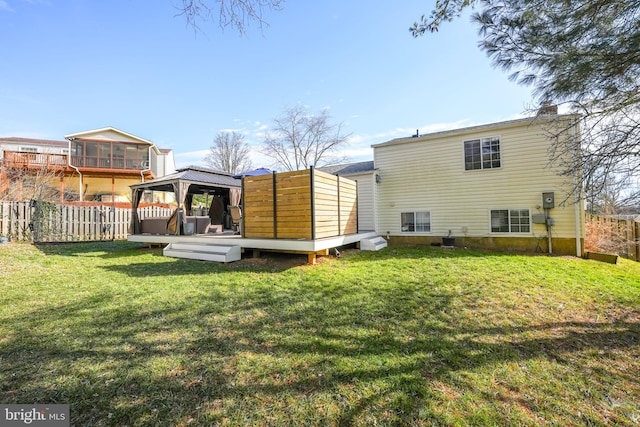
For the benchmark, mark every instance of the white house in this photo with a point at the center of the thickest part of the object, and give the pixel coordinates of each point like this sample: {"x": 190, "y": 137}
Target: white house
{"x": 364, "y": 175}
{"x": 488, "y": 186}
{"x": 31, "y": 145}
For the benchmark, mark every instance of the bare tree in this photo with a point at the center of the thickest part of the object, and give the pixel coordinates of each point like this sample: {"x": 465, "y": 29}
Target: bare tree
{"x": 229, "y": 153}
{"x": 19, "y": 184}
{"x": 599, "y": 152}
{"x": 230, "y": 13}
{"x": 609, "y": 233}
{"x": 299, "y": 140}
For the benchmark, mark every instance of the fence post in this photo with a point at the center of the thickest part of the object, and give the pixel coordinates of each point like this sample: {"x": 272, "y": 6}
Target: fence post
{"x": 4, "y": 219}
{"x": 636, "y": 240}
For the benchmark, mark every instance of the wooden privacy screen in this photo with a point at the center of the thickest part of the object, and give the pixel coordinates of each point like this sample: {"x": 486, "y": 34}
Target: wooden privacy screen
{"x": 306, "y": 204}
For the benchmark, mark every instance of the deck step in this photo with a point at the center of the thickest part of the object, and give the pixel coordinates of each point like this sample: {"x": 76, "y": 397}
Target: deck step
{"x": 373, "y": 244}
{"x": 203, "y": 251}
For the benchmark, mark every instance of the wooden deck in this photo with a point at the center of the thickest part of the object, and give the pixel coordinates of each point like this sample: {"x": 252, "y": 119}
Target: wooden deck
{"x": 304, "y": 246}
{"x": 304, "y": 211}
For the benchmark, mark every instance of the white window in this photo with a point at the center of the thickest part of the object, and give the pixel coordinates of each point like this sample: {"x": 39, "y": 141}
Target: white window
{"x": 482, "y": 154}
{"x": 510, "y": 221}
{"x": 415, "y": 222}
{"x": 28, "y": 149}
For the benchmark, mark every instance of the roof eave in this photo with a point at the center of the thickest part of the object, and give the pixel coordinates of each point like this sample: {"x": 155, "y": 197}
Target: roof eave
{"x": 474, "y": 129}
{"x": 88, "y": 133}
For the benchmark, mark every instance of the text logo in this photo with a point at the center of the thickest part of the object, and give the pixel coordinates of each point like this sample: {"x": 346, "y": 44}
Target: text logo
{"x": 34, "y": 415}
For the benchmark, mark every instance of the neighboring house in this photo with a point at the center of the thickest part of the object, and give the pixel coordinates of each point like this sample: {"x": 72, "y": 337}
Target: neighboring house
{"x": 488, "y": 186}
{"x": 96, "y": 165}
{"x": 30, "y": 157}
{"x": 29, "y": 145}
{"x": 364, "y": 174}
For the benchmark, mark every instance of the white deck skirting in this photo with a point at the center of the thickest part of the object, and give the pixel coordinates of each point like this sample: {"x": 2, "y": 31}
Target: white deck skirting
{"x": 301, "y": 245}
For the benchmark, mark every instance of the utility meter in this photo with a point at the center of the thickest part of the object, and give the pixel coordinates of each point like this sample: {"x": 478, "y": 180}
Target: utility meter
{"x": 548, "y": 200}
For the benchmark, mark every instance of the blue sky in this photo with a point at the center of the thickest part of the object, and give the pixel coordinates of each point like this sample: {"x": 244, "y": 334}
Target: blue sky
{"x": 75, "y": 65}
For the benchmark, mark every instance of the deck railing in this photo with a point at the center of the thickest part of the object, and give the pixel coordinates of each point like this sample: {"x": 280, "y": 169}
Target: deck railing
{"x": 17, "y": 159}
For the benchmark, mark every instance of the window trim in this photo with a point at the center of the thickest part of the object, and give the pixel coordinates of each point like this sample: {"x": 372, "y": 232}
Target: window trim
{"x": 415, "y": 212}
{"x": 510, "y": 223}
{"x": 482, "y": 161}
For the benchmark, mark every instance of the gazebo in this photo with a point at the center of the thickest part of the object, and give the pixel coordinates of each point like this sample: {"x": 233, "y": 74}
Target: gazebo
{"x": 224, "y": 190}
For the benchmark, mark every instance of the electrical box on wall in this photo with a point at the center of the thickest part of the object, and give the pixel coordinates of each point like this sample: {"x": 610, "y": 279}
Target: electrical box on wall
{"x": 548, "y": 200}
{"x": 539, "y": 218}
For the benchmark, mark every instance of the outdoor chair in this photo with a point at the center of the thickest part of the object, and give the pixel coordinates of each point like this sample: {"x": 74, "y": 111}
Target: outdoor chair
{"x": 236, "y": 218}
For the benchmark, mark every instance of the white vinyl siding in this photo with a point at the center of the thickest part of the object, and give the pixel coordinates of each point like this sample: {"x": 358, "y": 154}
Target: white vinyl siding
{"x": 366, "y": 203}
{"x": 366, "y": 207}
{"x": 429, "y": 171}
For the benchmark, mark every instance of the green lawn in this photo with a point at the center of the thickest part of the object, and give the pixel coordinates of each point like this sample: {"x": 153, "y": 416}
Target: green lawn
{"x": 404, "y": 336}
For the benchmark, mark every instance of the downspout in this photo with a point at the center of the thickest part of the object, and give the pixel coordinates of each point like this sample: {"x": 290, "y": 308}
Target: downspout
{"x": 142, "y": 171}
{"x": 548, "y": 224}
{"x": 77, "y": 170}
{"x": 577, "y": 199}
{"x": 142, "y": 174}
{"x": 578, "y": 220}
{"x": 80, "y": 184}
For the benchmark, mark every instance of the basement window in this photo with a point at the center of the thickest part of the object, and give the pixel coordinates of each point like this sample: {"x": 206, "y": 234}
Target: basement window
{"x": 415, "y": 222}
{"x": 510, "y": 221}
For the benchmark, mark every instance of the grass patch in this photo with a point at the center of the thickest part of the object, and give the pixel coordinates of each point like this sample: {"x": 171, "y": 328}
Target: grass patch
{"x": 404, "y": 336}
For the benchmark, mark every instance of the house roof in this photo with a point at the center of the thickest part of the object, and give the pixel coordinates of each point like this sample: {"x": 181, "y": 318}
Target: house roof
{"x": 32, "y": 141}
{"x": 107, "y": 134}
{"x": 200, "y": 179}
{"x": 478, "y": 128}
{"x": 102, "y": 134}
{"x": 349, "y": 168}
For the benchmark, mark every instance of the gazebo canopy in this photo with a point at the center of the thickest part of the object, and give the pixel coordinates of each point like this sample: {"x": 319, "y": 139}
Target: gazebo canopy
{"x": 185, "y": 183}
{"x": 199, "y": 180}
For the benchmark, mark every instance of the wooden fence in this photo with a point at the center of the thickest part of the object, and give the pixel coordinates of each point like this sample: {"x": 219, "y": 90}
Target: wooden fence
{"x": 306, "y": 204}
{"x": 40, "y": 222}
{"x": 611, "y": 234}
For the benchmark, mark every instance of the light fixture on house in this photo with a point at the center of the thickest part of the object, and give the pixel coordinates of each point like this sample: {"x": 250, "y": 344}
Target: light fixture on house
{"x": 378, "y": 179}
